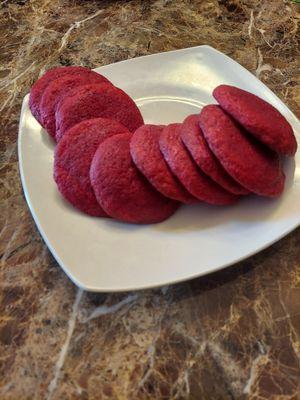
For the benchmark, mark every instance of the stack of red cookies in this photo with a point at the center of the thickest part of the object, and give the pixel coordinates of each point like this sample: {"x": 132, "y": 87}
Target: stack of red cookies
{"x": 108, "y": 163}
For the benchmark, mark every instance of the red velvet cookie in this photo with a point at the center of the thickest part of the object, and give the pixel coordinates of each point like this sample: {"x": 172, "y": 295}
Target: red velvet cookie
{"x": 57, "y": 90}
{"x": 258, "y": 117}
{"x": 195, "y": 142}
{"x": 255, "y": 167}
{"x": 146, "y": 154}
{"x": 93, "y": 101}
{"x": 73, "y": 156}
{"x": 40, "y": 85}
{"x": 192, "y": 178}
{"x": 121, "y": 189}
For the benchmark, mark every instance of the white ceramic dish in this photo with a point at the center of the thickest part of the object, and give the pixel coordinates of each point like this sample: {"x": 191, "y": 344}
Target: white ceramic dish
{"x": 105, "y": 255}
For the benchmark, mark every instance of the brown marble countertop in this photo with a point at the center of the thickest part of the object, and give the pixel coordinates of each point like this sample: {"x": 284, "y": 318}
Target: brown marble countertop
{"x": 231, "y": 335}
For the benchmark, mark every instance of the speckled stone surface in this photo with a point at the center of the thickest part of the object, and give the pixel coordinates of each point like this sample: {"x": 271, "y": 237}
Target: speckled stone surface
{"x": 230, "y": 335}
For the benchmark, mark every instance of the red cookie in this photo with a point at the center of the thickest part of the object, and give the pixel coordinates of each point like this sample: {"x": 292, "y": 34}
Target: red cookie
{"x": 57, "y": 90}
{"x": 255, "y": 167}
{"x": 192, "y": 178}
{"x": 146, "y": 154}
{"x": 93, "y": 101}
{"x": 73, "y": 157}
{"x": 195, "y": 142}
{"x": 40, "y": 85}
{"x": 258, "y": 117}
{"x": 121, "y": 189}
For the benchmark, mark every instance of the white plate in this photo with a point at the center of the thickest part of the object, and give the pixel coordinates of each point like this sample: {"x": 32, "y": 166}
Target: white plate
{"x": 105, "y": 255}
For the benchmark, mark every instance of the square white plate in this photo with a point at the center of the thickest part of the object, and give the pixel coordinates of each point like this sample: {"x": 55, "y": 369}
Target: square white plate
{"x": 105, "y": 255}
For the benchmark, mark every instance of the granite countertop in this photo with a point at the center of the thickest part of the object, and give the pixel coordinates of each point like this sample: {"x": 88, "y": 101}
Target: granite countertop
{"x": 230, "y": 335}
